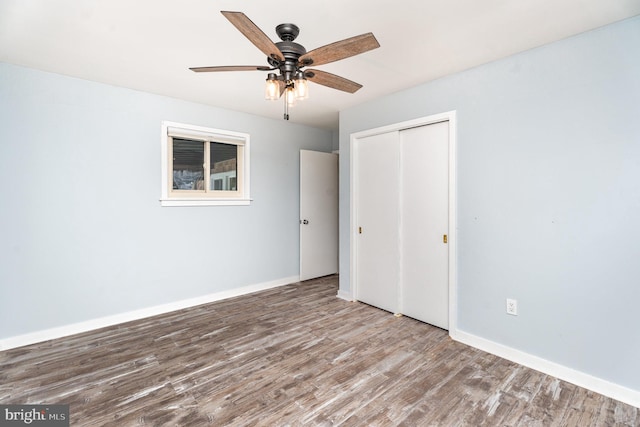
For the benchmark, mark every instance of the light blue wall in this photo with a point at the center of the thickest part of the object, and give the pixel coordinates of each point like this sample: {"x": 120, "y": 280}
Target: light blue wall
{"x": 335, "y": 140}
{"x": 548, "y": 196}
{"x": 82, "y": 231}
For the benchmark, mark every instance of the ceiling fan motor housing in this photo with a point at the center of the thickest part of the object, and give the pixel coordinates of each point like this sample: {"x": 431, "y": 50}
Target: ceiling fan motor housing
{"x": 289, "y": 49}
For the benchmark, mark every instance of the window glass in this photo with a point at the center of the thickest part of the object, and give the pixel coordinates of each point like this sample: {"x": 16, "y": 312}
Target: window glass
{"x": 223, "y": 166}
{"x": 188, "y": 157}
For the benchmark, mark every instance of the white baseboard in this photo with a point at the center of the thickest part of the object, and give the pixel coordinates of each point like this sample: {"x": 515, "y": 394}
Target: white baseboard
{"x": 344, "y": 295}
{"x": 606, "y": 388}
{"x": 89, "y": 325}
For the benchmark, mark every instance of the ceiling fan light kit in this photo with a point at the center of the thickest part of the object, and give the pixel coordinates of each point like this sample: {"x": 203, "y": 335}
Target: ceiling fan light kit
{"x": 287, "y": 60}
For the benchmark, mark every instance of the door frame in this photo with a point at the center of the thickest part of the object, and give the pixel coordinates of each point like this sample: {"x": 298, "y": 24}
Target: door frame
{"x": 449, "y": 117}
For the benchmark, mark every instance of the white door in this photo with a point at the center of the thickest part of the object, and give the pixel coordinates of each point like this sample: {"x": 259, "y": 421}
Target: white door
{"x": 318, "y": 214}
{"x": 377, "y": 212}
{"x": 425, "y": 222}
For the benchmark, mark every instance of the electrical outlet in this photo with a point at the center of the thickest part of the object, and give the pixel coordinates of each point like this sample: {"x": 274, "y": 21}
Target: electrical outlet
{"x": 512, "y": 306}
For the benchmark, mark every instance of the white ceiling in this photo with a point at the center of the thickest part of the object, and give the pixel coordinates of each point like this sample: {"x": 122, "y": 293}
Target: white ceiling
{"x": 148, "y": 45}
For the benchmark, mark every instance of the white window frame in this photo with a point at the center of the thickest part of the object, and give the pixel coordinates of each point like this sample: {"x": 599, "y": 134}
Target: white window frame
{"x": 205, "y": 197}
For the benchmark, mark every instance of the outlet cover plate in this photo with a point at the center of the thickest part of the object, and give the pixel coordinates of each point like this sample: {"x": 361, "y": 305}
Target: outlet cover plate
{"x": 512, "y": 306}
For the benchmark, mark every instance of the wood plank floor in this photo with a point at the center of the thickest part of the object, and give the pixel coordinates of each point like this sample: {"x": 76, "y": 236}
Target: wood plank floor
{"x": 295, "y": 355}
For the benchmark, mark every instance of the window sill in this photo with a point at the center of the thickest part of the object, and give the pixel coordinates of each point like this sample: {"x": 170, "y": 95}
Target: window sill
{"x": 204, "y": 202}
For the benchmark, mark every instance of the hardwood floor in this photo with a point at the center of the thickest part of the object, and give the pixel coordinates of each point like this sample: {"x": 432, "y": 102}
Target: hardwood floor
{"x": 295, "y": 355}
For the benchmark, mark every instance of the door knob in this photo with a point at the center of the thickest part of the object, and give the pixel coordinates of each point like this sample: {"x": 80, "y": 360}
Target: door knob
{"x": 305, "y": 222}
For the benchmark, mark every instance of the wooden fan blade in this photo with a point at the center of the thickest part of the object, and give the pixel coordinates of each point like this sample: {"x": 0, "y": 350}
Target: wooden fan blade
{"x": 254, "y": 34}
{"x": 331, "y": 80}
{"x": 230, "y": 68}
{"x": 340, "y": 50}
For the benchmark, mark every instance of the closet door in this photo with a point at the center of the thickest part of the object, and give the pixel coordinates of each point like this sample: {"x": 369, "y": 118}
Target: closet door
{"x": 424, "y": 291}
{"x": 377, "y": 208}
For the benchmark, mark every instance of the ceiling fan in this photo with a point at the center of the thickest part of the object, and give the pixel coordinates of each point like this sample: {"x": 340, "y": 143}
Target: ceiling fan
{"x": 289, "y": 59}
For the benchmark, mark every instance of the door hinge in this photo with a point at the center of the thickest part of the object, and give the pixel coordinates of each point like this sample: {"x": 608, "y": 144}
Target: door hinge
{"x": 444, "y": 238}
{"x": 359, "y": 230}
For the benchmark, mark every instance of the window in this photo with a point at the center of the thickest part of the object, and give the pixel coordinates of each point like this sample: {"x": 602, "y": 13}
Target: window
{"x": 204, "y": 167}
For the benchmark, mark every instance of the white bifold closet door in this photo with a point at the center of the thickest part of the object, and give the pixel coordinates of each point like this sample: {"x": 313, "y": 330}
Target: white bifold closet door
{"x": 402, "y": 199}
